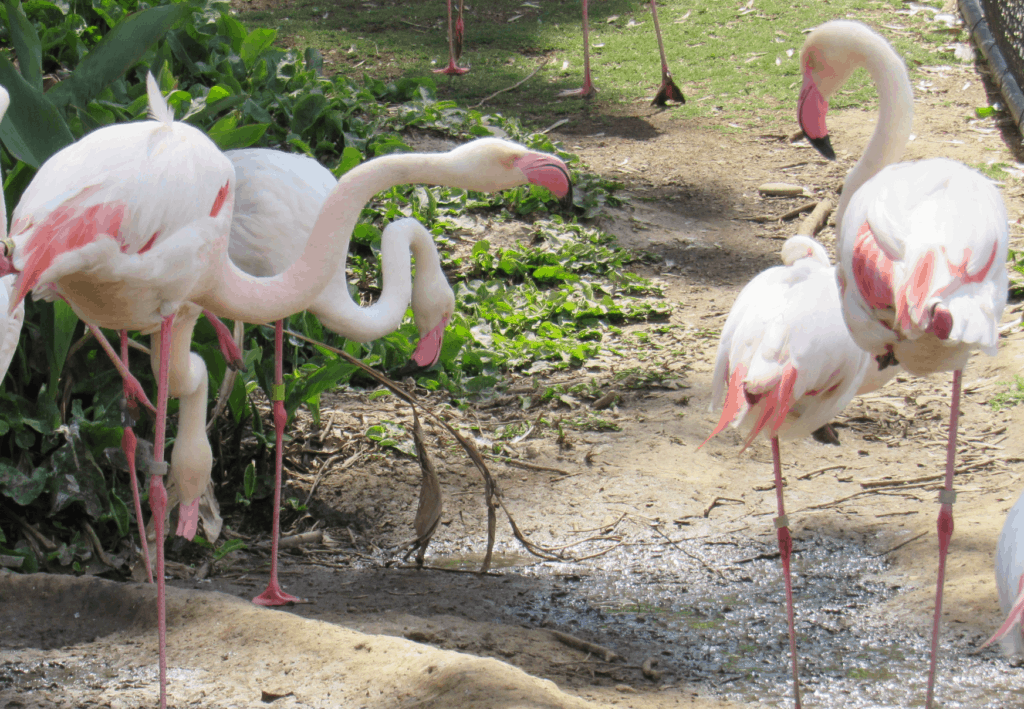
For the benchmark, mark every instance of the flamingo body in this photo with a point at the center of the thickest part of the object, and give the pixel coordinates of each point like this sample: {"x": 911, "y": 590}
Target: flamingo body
{"x": 922, "y": 250}
{"x": 1010, "y": 580}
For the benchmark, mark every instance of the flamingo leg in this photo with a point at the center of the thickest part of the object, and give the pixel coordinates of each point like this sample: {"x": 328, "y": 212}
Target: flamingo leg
{"x": 158, "y": 497}
{"x": 945, "y": 528}
{"x": 273, "y": 595}
{"x": 132, "y": 389}
{"x": 668, "y": 91}
{"x": 229, "y": 348}
{"x": 128, "y": 443}
{"x": 452, "y": 69}
{"x": 785, "y": 551}
{"x": 588, "y": 90}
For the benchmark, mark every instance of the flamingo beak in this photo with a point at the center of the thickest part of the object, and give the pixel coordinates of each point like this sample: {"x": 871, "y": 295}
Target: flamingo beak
{"x": 548, "y": 172}
{"x": 428, "y": 351}
{"x": 811, "y": 110}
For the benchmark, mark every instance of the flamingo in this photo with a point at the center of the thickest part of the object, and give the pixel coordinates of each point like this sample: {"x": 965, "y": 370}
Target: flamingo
{"x": 454, "y": 43}
{"x": 921, "y": 245}
{"x": 277, "y": 198}
{"x": 1010, "y": 580}
{"x": 668, "y": 91}
{"x": 10, "y": 322}
{"x": 786, "y": 365}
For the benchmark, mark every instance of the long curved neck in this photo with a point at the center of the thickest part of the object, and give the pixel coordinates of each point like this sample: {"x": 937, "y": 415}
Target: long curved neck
{"x": 239, "y": 296}
{"x": 895, "y": 116}
{"x": 339, "y": 313}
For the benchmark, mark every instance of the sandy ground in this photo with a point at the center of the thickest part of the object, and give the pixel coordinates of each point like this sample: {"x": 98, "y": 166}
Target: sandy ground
{"x": 672, "y": 526}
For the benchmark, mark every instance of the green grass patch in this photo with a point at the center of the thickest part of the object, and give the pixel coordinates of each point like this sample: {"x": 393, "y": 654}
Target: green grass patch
{"x": 1010, "y": 397}
{"x": 736, "y": 66}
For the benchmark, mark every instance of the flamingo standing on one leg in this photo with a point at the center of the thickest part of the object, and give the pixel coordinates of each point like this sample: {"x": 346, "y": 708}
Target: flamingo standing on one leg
{"x": 455, "y": 34}
{"x": 1010, "y": 580}
{"x": 668, "y": 91}
{"x": 921, "y": 245}
{"x": 786, "y": 365}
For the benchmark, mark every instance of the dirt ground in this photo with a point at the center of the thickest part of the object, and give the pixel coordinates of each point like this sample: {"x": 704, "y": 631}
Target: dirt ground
{"x": 682, "y": 572}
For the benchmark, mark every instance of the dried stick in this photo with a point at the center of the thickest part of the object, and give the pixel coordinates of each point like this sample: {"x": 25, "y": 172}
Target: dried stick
{"x": 514, "y": 86}
{"x": 816, "y": 221}
{"x": 586, "y": 646}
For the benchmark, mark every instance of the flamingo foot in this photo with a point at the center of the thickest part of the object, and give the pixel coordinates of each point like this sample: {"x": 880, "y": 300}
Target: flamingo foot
{"x": 228, "y": 347}
{"x": 668, "y": 92}
{"x": 188, "y": 519}
{"x": 452, "y": 69}
{"x": 274, "y": 596}
{"x": 588, "y": 90}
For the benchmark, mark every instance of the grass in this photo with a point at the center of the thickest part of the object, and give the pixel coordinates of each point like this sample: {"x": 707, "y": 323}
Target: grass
{"x": 734, "y": 66}
{"x": 1013, "y": 395}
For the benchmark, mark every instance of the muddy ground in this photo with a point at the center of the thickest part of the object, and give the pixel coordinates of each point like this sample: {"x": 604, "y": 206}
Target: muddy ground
{"x": 677, "y": 571}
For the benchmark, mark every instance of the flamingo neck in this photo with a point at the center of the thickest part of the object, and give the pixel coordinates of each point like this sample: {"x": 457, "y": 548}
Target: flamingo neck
{"x": 338, "y": 312}
{"x": 895, "y": 116}
{"x": 239, "y": 296}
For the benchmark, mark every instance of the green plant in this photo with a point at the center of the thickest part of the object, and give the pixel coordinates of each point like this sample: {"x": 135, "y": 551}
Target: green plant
{"x": 1013, "y": 395}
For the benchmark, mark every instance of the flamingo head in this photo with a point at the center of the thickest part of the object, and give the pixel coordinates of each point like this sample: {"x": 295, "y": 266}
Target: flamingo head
{"x": 801, "y": 247}
{"x": 433, "y": 302}
{"x": 492, "y": 164}
{"x": 830, "y": 54}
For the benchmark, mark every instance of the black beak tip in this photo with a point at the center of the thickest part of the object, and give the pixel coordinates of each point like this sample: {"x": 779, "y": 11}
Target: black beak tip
{"x": 565, "y": 202}
{"x": 823, "y": 146}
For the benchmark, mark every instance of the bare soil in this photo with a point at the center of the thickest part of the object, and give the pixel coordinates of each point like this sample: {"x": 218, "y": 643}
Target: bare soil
{"x": 682, "y": 572}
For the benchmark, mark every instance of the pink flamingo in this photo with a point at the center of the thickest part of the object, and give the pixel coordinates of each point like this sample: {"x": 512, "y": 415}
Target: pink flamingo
{"x": 455, "y": 35}
{"x": 1010, "y": 580}
{"x": 786, "y": 365}
{"x": 277, "y": 198}
{"x": 921, "y": 245}
{"x": 668, "y": 91}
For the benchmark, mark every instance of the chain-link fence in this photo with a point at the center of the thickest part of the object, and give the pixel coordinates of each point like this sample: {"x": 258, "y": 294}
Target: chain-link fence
{"x": 997, "y": 28}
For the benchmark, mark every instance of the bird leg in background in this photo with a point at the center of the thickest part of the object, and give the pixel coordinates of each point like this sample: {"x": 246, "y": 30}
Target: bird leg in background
{"x": 228, "y": 347}
{"x": 785, "y": 550}
{"x": 128, "y": 443}
{"x": 945, "y": 527}
{"x": 158, "y": 497}
{"x": 668, "y": 91}
{"x": 273, "y": 595}
{"x": 460, "y": 31}
{"x": 452, "y": 69}
{"x": 588, "y": 90}
{"x": 132, "y": 389}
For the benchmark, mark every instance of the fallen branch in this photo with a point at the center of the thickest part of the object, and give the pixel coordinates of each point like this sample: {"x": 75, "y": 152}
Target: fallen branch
{"x": 876, "y": 484}
{"x": 300, "y": 539}
{"x": 586, "y": 646}
{"x": 901, "y": 545}
{"x": 513, "y": 86}
{"x": 491, "y": 491}
{"x": 524, "y": 464}
{"x": 816, "y": 221}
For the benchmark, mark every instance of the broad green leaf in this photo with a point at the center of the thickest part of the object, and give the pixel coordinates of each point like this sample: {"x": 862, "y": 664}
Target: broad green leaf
{"x": 249, "y": 480}
{"x": 254, "y": 45}
{"x": 21, "y": 488}
{"x": 26, "y": 44}
{"x": 119, "y": 511}
{"x": 350, "y": 157}
{"x": 307, "y": 110}
{"x": 64, "y": 323}
{"x": 32, "y": 130}
{"x": 233, "y": 30}
{"x": 241, "y": 137}
{"x": 119, "y": 50}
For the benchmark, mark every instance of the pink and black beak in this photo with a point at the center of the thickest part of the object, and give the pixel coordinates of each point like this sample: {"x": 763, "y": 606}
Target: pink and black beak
{"x": 428, "y": 351}
{"x": 548, "y": 172}
{"x": 811, "y": 110}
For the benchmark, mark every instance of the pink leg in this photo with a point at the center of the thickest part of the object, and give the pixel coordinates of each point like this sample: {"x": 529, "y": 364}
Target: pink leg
{"x": 452, "y": 69}
{"x": 588, "y": 90}
{"x": 785, "y": 550}
{"x": 668, "y": 91}
{"x": 228, "y": 346}
{"x": 132, "y": 389}
{"x": 158, "y": 497}
{"x": 945, "y": 526}
{"x": 128, "y": 441}
{"x": 273, "y": 595}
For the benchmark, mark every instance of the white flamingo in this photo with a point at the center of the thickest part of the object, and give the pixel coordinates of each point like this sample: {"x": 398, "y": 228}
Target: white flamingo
{"x": 921, "y": 245}
{"x": 668, "y": 90}
{"x": 130, "y": 226}
{"x": 786, "y": 365}
{"x": 277, "y": 198}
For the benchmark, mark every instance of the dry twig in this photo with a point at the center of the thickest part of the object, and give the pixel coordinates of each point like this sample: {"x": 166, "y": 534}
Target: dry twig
{"x": 513, "y": 86}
